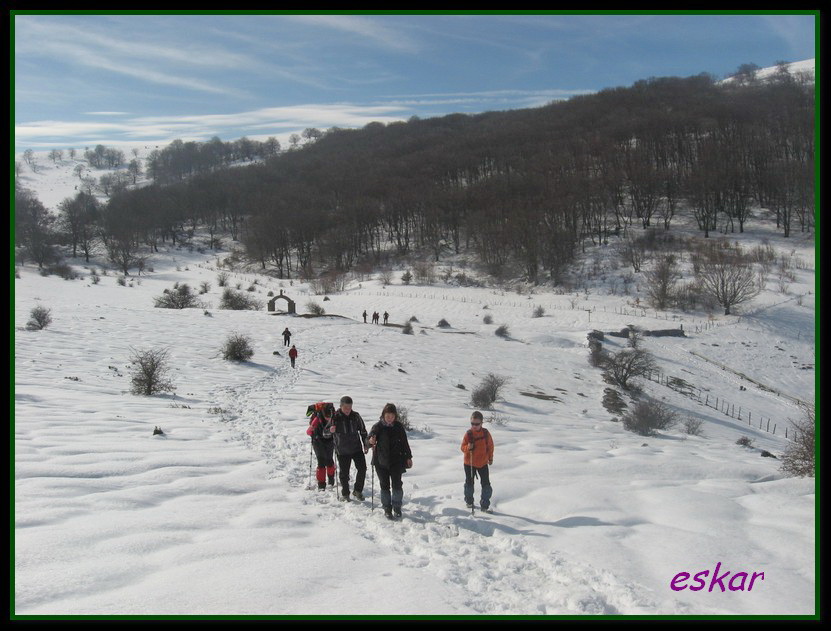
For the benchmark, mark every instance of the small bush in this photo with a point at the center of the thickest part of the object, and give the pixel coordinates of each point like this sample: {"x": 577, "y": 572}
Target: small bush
{"x": 222, "y": 279}
{"x": 693, "y": 427}
{"x": 237, "y": 348}
{"x": 502, "y": 331}
{"x": 180, "y": 297}
{"x": 539, "y": 311}
{"x": 407, "y": 277}
{"x": 314, "y": 308}
{"x": 204, "y": 287}
{"x": 648, "y": 416}
{"x": 488, "y": 319}
{"x": 629, "y": 363}
{"x": 745, "y": 441}
{"x": 237, "y": 301}
{"x": 443, "y": 324}
{"x": 487, "y": 392}
{"x": 403, "y": 417}
{"x": 613, "y": 401}
{"x": 150, "y": 372}
{"x": 408, "y": 329}
{"x": 39, "y": 318}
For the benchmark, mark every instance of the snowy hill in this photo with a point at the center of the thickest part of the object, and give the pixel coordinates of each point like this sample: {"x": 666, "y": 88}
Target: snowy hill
{"x": 214, "y": 516}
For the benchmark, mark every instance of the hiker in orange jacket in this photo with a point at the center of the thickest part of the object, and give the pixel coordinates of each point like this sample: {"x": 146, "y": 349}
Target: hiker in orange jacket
{"x": 477, "y": 446}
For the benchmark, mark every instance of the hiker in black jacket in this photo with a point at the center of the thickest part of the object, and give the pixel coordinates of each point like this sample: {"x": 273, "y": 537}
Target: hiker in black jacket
{"x": 349, "y": 432}
{"x": 391, "y": 456}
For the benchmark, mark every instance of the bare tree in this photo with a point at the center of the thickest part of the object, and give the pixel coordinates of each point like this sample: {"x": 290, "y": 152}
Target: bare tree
{"x": 799, "y": 457}
{"x": 727, "y": 276}
{"x": 623, "y": 366}
{"x": 660, "y": 281}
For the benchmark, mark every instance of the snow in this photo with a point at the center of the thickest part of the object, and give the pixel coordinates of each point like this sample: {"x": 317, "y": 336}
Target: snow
{"x": 214, "y": 517}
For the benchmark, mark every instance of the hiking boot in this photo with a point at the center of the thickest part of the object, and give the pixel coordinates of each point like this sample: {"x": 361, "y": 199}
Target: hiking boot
{"x": 331, "y": 480}
{"x": 358, "y": 496}
{"x": 396, "y": 510}
{"x": 487, "y": 509}
{"x": 321, "y": 486}
{"x": 344, "y": 498}
{"x": 469, "y": 504}
{"x": 388, "y": 512}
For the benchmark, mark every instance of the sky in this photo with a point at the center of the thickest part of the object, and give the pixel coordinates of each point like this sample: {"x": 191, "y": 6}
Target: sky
{"x": 128, "y": 80}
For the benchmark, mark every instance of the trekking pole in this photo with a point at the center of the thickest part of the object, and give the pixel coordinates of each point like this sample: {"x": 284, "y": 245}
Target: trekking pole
{"x": 473, "y": 487}
{"x": 373, "y": 486}
{"x": 309, "y": 487}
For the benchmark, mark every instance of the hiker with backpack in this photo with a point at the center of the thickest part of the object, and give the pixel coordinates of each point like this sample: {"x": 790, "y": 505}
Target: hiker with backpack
{"x": 391, "y": 456}
{"x": 292, "y": 355}
{"x": 477, "y": 446}
{"x": 286, "y": 336}
{"x": 321, "y": 414}
{"x": 349, "y": 432}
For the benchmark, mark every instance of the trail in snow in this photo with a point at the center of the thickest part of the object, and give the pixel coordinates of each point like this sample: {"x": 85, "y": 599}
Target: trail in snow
{"x": 486, "y": 555}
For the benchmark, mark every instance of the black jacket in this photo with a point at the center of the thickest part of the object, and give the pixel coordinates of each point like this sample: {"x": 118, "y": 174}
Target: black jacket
{"x": 350, "y": 433}
{"x": 392, "y": 450}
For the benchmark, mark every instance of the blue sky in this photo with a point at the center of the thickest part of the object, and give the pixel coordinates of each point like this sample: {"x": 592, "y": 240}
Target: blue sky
{"x": 131, "y": 80}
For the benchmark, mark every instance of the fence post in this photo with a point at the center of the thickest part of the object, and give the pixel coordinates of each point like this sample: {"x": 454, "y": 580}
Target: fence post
{"x": 774, "y": 428}
{"x": 740, "y": 412}
{"x": 767, "y": 429}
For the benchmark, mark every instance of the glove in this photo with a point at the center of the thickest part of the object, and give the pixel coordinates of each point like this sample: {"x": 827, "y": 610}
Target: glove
{"x": 409, "y": 464}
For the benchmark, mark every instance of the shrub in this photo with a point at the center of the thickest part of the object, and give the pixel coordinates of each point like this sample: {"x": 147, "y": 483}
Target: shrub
{"x": 502, "y": 331}
{"x": 408, "y": 329}
{"x": 237, "y": 301}
{"x": 798, "y": 459}
{"x": 745, "y": 441}
{"x": 443, "y": 324}
{"x": 613, "y": 401}
{"x": 237, "y": 348}
{"x": 487, "y": 392}
{"x": 40, "y": 318}
{"x": 693, "y": 427}
{"x": 649, "y": 416}
{"x": 180, "y": 297}
{"x": 150, "y": 372}
{"x": 488, "y": 319}
{"x": 314, "y": 308}
{"x": 539, "y": 311}
{"x": 407, "y": 277}
{"x": 403, "y": 417}
{"x": 222, "y": 279}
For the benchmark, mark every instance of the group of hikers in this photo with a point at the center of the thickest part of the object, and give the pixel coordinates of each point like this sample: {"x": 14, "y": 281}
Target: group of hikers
{"x": 287, "y": 342}
{"x": 342, "y": 432}
{"x": 376, "y": 317}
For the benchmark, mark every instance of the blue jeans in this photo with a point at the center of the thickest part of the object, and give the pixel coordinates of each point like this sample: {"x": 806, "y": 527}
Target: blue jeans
{"x": 484, "y": 477}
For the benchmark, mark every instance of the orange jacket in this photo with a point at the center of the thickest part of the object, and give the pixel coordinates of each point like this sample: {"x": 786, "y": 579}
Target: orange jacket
{"x": 482, "y": 453}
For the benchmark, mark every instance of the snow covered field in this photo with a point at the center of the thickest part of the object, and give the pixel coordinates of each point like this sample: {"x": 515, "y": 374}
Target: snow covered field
{"x": 214, "y": 517}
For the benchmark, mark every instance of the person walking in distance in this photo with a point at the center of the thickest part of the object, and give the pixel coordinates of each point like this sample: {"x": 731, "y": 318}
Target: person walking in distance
{"x": 286, "y": 337}
{"x": 391, "y": 456}
{"x": 349, "y": 432}
{"x": 364, "y": 316}
{"x": 322, "y": 443}
{"x": 477, "y": 446}
{"x": 386, "y": 317}
{"x": 292, "y": 355}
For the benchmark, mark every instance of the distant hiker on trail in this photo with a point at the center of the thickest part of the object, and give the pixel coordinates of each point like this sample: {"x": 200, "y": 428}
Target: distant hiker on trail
{"x": 477, "y": 446}
{"x": 386, "y": 317}
{"x": 364, "y": 316}
{"x": 292, "y": 355}
{"x": 391, "y": 456}
{"x": 349, "y": 432}
{"x": 324, "y": 447}
{"x": 286, "y": 336}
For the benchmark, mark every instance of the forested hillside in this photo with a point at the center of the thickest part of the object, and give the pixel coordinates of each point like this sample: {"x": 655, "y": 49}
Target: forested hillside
{"x": 525, "y": 189}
